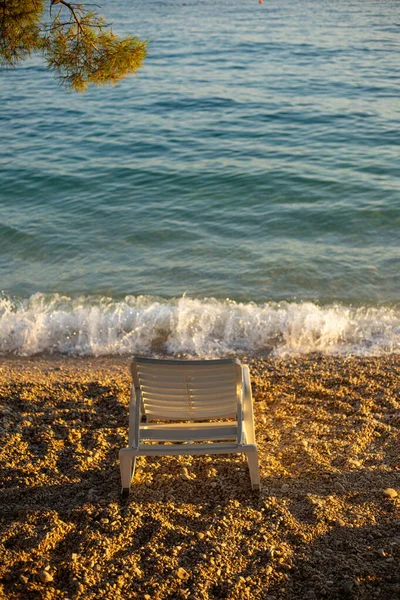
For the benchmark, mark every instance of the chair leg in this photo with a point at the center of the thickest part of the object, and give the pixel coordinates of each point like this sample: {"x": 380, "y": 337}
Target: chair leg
{"x": 252, "y": 461}
{"x": 127, "y": 462}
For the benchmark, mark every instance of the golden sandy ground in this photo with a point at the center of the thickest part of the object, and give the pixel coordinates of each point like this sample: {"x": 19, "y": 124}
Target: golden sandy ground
{"x": 322, "y": 526}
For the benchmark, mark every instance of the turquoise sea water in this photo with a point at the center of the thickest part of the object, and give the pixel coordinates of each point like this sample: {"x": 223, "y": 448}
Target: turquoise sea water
{"x": 255, "y": 158}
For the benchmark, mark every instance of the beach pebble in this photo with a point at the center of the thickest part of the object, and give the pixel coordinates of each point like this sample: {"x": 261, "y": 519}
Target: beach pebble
{"x": 339, "y": 488}
{"x": 269, "y": 570}
{"x": 270, "y": 552}
{"x": 200, "y": 535}
{"x": 185, "y": 475}
{"x": 45, "y": 576}
{"x": 340, "y": 523}
{"x": 182, "y": 574}
{"x": 348, "y": 586}
{"x": 390, "y": 493}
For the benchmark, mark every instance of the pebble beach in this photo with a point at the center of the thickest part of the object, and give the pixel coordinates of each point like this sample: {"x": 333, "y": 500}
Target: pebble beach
{"x": 326, "y": 523}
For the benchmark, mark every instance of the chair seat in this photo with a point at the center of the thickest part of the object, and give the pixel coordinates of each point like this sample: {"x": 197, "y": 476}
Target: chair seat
{"x": 180, "y": 432}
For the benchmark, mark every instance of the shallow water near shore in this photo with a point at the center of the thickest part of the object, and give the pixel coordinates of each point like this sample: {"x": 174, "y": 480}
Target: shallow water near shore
{"x": 255, "y": 158}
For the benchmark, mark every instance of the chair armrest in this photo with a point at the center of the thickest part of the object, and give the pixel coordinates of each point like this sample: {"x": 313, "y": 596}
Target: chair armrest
{"x": 248, "y": 415}
{"x": 134, "y": 416}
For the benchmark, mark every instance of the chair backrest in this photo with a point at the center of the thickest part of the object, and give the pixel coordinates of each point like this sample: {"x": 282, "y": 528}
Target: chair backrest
{"x": 188, "y": 390}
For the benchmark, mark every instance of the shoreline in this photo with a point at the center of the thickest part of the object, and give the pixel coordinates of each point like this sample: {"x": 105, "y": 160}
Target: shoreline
{"x": 321, "y": 527}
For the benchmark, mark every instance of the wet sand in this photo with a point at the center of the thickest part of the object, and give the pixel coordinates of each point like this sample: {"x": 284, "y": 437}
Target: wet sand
{"x": 325, "y": 524}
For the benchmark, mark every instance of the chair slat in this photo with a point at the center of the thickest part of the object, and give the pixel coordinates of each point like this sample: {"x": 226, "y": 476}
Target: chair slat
{"x": 201, "y": 376}
{"x": 185, "y": 368}
{"x": 187, "y": 426}
{"x": 195, "y": 404}
{"x": 186, "y": 380}
{"x": 174, "y": 387}
{"x": 182, "y": 415}
{"x": 193, "y": 407}
{"x": 181, "y": 432}
{"x": 179, "y": 397}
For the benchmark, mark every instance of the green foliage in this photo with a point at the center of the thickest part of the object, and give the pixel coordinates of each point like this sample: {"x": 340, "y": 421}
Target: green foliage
{"x": 19, "y": 29}
{"x": 76, "y": 43}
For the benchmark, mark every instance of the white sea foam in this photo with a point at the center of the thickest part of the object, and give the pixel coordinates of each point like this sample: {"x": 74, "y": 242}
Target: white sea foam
{"x": 192, "y": 327}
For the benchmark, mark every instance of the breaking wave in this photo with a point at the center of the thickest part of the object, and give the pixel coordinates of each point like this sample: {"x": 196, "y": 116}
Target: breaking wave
{"x": 89, "y": 326}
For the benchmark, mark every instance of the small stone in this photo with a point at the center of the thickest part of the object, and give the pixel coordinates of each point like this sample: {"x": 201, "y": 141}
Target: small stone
{"x": 45, "y": 577}
{"x": 339, "y": 488}
{"x": 285, "y": 488}
{"x": 182, "y": 574}
{"x": 347, "y": 587}
{"x": 24, "y": 579}
{"x": 213, "y": 484}
{"x": 269, "y": 570}
{"x": 382, "y": 553}
{"x": 340, "y": 523}
{"x": 270, "y": 552}
{"x": 147, "y": 597}
{"x": 185, "y": 475}
{"x": 390, "y": 493}
{"x": 200, "y": 535}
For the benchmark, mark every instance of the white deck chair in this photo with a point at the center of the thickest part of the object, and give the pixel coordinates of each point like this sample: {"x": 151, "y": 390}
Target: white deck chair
{"x": 174, "y": 391}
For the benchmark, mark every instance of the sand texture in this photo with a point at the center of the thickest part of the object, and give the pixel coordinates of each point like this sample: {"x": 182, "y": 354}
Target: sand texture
{"x": 326, "y": 523}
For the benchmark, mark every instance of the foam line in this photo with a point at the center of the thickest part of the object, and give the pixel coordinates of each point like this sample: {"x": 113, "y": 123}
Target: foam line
{"x": 89, "y": 326}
